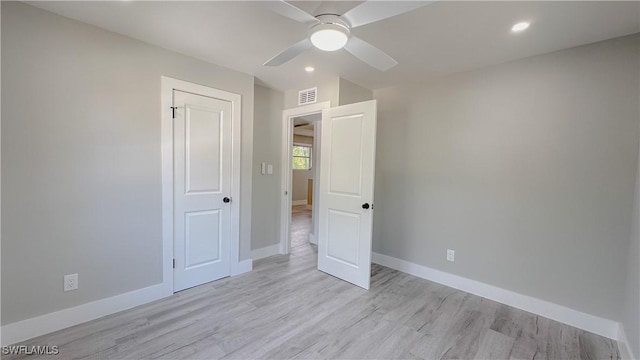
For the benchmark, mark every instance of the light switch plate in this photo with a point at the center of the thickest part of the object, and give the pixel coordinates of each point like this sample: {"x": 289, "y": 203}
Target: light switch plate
{"x": 263, "y": 168}
{"x": 269, "y": 169}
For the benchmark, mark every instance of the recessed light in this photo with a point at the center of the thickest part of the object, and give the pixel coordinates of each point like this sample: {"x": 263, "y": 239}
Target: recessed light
{"x": 309, "y": 69}
{"x": 521, "y": 26}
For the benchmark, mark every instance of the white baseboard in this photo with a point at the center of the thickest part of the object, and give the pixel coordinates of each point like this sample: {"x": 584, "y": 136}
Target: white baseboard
{"x": 44, "y": 324}
{"x": 623, "y": 345}
{"x": 242, "y": 267}
{"x": 265, "y": 252}
{"x": 594, "y": 324}
{"x": 312, "y": 239}
{"x": 299, "y": 202}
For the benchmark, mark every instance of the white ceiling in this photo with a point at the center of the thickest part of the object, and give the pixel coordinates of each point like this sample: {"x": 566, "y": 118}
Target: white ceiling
{"x": 437, "y": 39}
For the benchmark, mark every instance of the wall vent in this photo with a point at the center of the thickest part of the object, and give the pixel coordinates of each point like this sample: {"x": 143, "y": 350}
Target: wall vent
{"x": 308, "y": 96}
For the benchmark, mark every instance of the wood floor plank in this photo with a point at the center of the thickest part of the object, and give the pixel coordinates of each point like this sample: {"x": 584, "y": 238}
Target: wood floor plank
{"x": 285, "y": 308}
{"x": 494, "y": 345}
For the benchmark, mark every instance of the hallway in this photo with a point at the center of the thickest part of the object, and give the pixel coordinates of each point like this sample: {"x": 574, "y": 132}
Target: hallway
{"x": 300, "y": 225}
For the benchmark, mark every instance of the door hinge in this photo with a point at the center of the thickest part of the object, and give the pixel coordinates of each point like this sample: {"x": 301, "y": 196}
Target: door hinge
{"x": 173, "y": 112}
{"x": 174, "y": 263}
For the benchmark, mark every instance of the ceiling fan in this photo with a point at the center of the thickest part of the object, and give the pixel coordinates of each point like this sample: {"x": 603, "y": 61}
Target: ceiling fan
{"x": 331, "y": 32}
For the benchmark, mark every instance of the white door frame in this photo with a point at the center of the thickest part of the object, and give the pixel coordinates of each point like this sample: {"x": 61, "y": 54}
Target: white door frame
{"x": 167, "y": 86}
{"x": 285, "y": 189}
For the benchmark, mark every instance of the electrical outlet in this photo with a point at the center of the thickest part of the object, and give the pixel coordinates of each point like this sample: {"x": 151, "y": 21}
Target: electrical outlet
{"x": 451, "y": 255}
{"x": 70, "y": 282}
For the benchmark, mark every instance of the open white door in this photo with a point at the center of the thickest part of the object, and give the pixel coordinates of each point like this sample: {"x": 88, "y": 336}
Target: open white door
{"x": 202, "y": 189}
{"x": 345, "y": 200}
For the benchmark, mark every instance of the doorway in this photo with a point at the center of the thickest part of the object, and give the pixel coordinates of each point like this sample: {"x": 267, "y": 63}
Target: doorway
{"x": 301, "y": 134}
{"x": 303, "y": 180}
{"x": 342, "y": 215}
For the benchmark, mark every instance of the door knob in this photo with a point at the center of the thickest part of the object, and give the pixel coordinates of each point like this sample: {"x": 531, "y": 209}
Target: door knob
{"x": 226, "y": 200}
{"x": 365, "y": 206}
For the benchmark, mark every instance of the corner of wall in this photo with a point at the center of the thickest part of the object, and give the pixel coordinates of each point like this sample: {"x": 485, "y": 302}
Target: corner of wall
{"x": 268, "y": 106}
{"x": 246, "y": 185}
{"x": 349, "y": 92}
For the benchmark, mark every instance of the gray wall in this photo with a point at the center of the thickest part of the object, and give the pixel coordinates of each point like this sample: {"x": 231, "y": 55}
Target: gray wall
{"x": 299, "y": 184}
{"x": 631, "y": 311}
{"x": 81, "y": 171}
{"x": 266, "y": 148}
{"x": 350, "y": 93}
{"x": 526, "y": 169}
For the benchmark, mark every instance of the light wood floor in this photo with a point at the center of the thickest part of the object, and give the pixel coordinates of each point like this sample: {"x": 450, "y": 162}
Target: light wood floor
{"x": 300, "y": 225}
{"x": 285, "y": 308}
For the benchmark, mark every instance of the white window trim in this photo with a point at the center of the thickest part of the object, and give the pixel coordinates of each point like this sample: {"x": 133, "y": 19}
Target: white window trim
{"x": 310, "y": 157}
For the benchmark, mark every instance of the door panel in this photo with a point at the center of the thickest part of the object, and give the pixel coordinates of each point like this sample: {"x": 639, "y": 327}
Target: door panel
{"x": 202, "y": 238}
{"x": 346, "y": 183}
{"x": 202, "y": 154}
{"x": 343, "y": 226}
{"x": 202, "y": 178}
{"x": 346, "y": 155}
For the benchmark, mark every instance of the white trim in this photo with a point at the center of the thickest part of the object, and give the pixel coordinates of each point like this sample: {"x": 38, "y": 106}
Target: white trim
{"x": 299, "y": 202}
{"x": 266, "y": 251}
{"x": 167, "y": 86}
{"x": 594, "y": 324}
{"x": 285, "y": 186}
{"x": 312, "y": 239}
{"x": 241, "y": 267}
{"x": 44, "y": 324}
{"x": 623, "y": 345}
{"x": 166, "y": 137}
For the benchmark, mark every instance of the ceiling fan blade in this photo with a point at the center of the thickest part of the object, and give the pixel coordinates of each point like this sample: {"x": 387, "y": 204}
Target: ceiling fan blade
{"x": 370, "y": 54}
{"x": 289, "y": 53}
{"x": 285, "y": 9}
{"x": 372, "y": 11}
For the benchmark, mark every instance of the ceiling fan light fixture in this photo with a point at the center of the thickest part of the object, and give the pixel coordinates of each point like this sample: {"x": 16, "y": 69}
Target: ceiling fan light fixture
{"x": 521, "y": 26}
{"x": 329, "y": 35}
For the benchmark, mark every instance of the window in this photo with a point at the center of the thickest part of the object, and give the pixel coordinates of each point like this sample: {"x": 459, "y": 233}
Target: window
{"x": 301, "y": 157}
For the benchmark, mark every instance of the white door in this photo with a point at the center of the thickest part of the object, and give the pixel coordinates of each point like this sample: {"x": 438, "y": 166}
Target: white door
{"x": 347, "y": 165}
{"x": 202, "y": 189}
